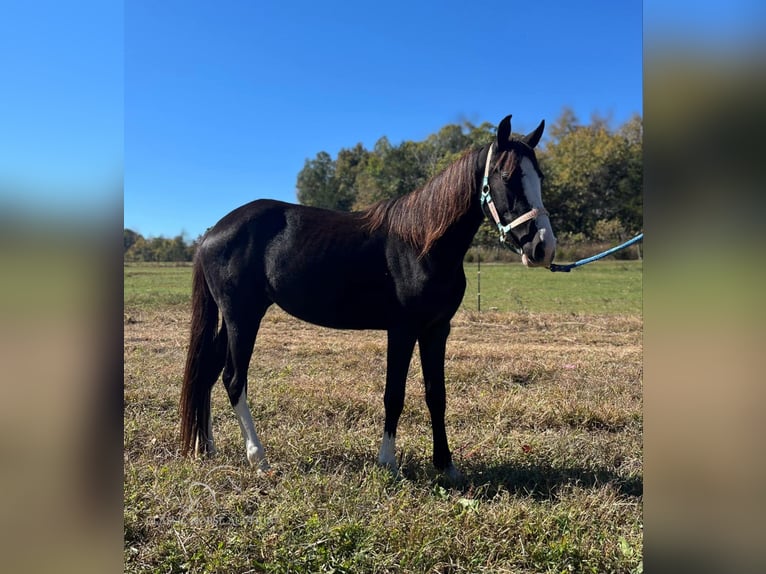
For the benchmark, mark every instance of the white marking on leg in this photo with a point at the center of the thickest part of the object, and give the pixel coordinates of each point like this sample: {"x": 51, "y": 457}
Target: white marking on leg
{"x": 387, "y": 454}
{"x": 256, "y": 456}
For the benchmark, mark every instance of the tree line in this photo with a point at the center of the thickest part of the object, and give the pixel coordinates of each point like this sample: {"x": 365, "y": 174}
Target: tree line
{"x": 593, "y": 185}
{"x": 138, "y": 248}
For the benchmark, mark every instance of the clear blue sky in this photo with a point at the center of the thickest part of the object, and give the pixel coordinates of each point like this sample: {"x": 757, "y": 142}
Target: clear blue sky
{"x": 61, "y": 97}
{"x": 195, "y": 107}
{"x": 224, "y": 101}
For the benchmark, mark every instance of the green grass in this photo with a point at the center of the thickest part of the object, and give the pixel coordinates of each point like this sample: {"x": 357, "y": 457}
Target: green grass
{"x": 544, "y": 418}
{"x": 604, "y": 287}
{"x": 156, "y": 285}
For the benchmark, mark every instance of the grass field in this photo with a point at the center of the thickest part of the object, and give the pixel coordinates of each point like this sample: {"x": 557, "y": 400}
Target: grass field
{"x": 609, "y": 288}
{"x": 544, "y": 418}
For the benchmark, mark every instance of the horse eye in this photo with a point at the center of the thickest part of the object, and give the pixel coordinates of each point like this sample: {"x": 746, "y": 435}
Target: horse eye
{"x": 505, "y": 175}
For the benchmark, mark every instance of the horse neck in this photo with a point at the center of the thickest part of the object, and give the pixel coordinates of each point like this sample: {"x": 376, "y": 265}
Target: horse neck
{"x": 456, "y": 241}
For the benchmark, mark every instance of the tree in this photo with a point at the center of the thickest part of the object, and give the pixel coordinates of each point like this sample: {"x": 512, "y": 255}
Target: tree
{"x": 564, "y": 125}
{"x": 157, "y": 248}
{"x": 316, "y": 183}
{"x": 390, "y": 171}
{"x": 350, "y": 163}
{"x": 630, "y": 196}
{"x": 592, "y": 174}
{"x": 453, "y": 140}
{"x": 129, "y": 238}
{"x": 367, "y": 182}
{"x": 140, "y": 250}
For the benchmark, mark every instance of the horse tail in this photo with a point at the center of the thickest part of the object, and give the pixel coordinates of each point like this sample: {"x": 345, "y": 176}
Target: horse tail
{"x": 204, "y": 361}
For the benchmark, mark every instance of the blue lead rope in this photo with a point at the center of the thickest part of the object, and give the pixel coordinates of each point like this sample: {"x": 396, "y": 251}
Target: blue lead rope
{"x": 569, "y": 266}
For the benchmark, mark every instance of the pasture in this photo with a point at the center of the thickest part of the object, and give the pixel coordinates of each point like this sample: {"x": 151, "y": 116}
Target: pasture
{"x": 544, "y": 417}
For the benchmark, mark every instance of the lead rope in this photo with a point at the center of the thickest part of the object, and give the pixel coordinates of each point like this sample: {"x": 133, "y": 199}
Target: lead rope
{"x": 569, "y": 266}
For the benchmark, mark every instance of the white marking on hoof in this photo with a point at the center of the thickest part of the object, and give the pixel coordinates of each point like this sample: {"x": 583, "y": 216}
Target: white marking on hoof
{"x": 256, "y": 455}
{"x": 387, "y": 453}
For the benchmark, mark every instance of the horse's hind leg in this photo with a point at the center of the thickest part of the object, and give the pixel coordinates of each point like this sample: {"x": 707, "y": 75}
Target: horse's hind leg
{"x": 241, "y": 343}
{"x": 204, "y": 445}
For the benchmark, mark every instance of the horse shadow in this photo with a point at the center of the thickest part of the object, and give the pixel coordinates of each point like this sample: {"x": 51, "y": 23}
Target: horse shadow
{"x": 540, "y": 481}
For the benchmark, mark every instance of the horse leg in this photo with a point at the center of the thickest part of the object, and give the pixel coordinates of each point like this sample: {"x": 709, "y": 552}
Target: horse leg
{"x": 400, "y": 347}
{"x": 433, "y": 346}
{"x": 241, "y": 343}
{"x": 204, "y": 445}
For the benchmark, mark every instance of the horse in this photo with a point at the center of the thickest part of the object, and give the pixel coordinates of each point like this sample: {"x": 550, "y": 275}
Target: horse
{"x": 396, "y": 266}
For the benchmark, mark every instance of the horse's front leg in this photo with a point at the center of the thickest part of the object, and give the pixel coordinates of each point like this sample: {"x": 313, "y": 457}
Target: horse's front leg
{"x": 400, "y": 346}
{"x": 433, "y": 344}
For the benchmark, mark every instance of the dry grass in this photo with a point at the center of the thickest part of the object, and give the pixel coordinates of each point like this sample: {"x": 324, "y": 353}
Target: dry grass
{"x": 544, "y": 418}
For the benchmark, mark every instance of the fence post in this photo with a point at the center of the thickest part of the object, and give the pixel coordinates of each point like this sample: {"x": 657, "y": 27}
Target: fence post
{"x": 478, "y": 280}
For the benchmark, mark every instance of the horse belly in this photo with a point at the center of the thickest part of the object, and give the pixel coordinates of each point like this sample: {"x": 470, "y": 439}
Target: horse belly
{"x": 339, "y": 305}
{"x": 337, "y": 313}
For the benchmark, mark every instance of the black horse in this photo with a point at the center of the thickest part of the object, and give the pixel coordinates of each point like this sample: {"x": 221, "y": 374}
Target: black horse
{"x": 398, "y": 266}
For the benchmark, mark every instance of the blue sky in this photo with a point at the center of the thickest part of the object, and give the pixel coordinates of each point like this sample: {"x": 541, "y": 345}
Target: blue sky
{"x": 193, "y": 108}
{"x": 61, "y": 96}
{"x": 225, "y": 101}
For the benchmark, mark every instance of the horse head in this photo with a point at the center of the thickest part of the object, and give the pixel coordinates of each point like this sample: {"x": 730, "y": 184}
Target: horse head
{"x": 512, "y": 194}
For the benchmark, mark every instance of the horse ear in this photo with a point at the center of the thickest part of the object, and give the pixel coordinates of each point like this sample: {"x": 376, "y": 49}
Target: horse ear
{"x": 504, "y": 131}
{"x": 533, "y": 138}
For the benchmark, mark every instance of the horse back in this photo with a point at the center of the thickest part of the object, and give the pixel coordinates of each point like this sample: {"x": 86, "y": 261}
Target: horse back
{"x": 325, "y": 267}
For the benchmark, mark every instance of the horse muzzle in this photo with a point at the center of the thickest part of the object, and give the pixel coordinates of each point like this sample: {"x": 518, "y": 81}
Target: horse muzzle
{"x": 540, "y": 251}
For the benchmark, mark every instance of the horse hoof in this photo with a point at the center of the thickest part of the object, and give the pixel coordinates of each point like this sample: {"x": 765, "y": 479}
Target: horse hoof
{"x": 261, "y": 466}
{"x": 203, "y": 452}
{"x": 204, "y": 446}
{"x": 453, "y": 474}
{"x": 391, "y": 467}
{"x": 257, "y": 459}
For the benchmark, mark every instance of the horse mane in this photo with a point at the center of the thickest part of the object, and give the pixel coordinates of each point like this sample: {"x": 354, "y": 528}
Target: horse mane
{"x": 423, "y": 216}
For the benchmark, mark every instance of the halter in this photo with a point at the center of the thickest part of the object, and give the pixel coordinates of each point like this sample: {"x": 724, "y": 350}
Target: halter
{"x": 486, "y": 201}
